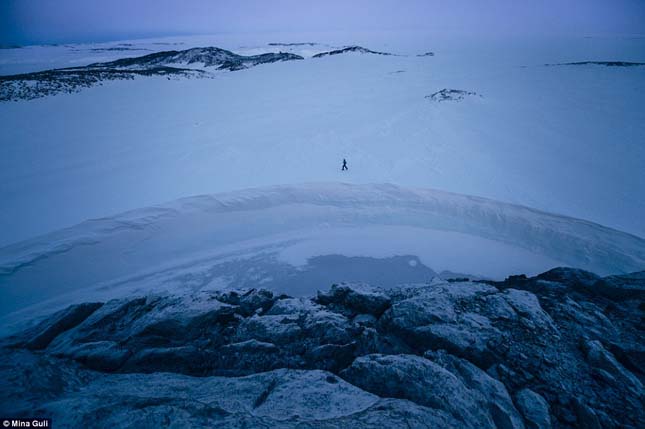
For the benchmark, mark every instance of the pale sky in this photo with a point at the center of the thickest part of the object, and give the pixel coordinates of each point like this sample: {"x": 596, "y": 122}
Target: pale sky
{"x": 56, "y": 21}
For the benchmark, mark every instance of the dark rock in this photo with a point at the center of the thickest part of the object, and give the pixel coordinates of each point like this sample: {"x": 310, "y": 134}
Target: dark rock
{"x": 356, "y": 298}
{"x": 281, "y": 329}
{"x": 293, "y": 44}
{"x": 106, "y": 356}
{"x": 451, "y": 95}
{"x": 331, "y": 357}
{"x": 600, "y": 63}
{"x": 44, "y": 333}
{"x": 209, "y": 57}
{"x": 427, "y": 383}
{"x": 602, "y": 359}
{"x": 255, "y": 300}
{"x": 534, "y": 409}
{"x": 586, "y": 417}
{"x": 28, "y": 86}
{"x": 552, "y": 334}
{"x": 622, "y": 287}
{"x": 358, "y": 49}
{"x": 570, "y": 277}
{"x": 186, "y": 360}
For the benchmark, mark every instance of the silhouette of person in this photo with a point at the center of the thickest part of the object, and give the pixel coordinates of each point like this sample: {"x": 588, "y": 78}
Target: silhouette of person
{"x": 344, "y": 165}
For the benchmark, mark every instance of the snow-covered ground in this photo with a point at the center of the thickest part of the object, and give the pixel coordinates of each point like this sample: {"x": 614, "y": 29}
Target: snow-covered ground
{"x": 558, "y": 139}
{"x": 567, "y": 139}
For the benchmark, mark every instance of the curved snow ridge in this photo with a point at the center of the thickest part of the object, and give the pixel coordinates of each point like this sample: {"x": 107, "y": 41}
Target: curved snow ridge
{"x": 573, "y": 241}
{"x": 90, "y": 232}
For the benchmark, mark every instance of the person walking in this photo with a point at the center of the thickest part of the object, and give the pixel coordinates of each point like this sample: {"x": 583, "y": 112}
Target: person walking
{"x": 344, "y": 165}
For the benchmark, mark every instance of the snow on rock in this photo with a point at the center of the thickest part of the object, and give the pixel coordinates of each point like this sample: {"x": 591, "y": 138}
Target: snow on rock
{"x": 348, "y": 49}
{"x": 444, "y": 354}
{"x": 42, "y": 334}
{"x": 621, "y": 286}
{"x": 274, "y": 329}
{"x": 206, "y": 57}
{"x": 28, "y": 86}
{"x": 356, "y": 298}
{"x": 527, "y": 305}
{"x": 427, "y": 383}
{"x": 605, "y": 361}
{"x": 451, "y": 95}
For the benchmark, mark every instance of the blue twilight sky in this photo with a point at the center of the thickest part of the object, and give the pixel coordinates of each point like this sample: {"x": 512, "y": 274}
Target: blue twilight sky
{"x": 55, "y": 21}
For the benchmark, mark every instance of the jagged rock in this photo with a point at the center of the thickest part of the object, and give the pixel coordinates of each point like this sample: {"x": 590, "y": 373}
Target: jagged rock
{"x": 27, "y": 380}
{"x": 427, "y": 383}
{"x": 364, "y": 320}
{"x": 528, "y": 306}
{"x": 451, "y": 95}
{"x": 462, "y": 341}
{"x": 501, "y": 406}
{"x": 570, "y": 277}
{"x": 249, "y": 302}
{"x": 186, "y": 359}
{"x": 328, "y": 327}
{"x": 534, "y": 409}
{"x": 293, "y": 306}
{"x": 586, "y": 417}
{"x": 28, "y": 86}
{"x": 280, "y": 329}
{"x": 392, "y": 413}
{"x": 590, "y": 316}
{"x": 358, "y": 49}
{"x": 437, "y": 317}
{"x": 628, "y": 286}
{"x": 248, "y": 357}
{"x": 209, "y": 57}
{"x": 41, "y": 335}
{"x": 356, "y": 298}
{"x": 331, "y": 357}
{"x": 105, "y": 356}
{"x": 499, "y": 307}
{"x": 145, "y": 322}
{"x": 602, "y": 359}
{"x": 480, "y": 340}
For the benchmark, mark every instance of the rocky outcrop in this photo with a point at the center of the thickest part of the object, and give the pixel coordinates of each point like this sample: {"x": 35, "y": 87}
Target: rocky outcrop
{"x": 600, "y": 63}
{"x": 39, "y": 337}
{"x": 206, "y": 57}
{"x": 29, "y": 86}
{"x": 451, "y": 95}
{"x": 457, "y": 387}
{"x": 555, "y": 350}
{"x": 348, "y": 49}
{"x": 176, "y": 64}
{"x": 534, "y": 409}
{"x": 293, "y": 44}
{"x": 355, "y": 299}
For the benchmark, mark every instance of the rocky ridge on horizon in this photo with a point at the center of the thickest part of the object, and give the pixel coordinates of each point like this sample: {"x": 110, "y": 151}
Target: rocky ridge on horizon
{"x": 170, "y": 64}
